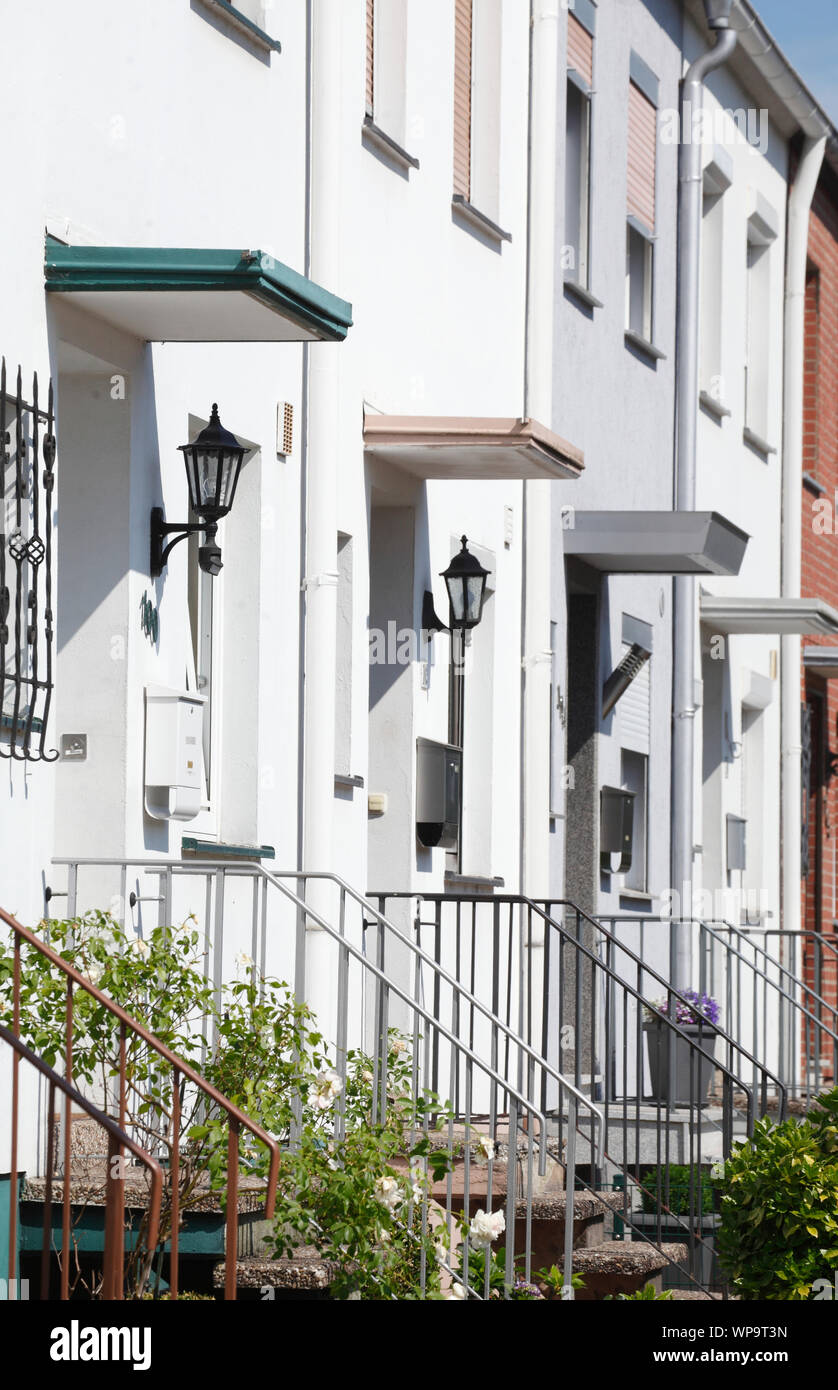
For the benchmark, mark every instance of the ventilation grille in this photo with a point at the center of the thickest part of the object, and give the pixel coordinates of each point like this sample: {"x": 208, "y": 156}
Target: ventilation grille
{"x": 285, "y": 428}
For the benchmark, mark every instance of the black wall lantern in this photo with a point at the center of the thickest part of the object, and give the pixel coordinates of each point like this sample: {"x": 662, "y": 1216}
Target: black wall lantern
{"x": 213, "y": 463}
{"x": 465, "y": 580}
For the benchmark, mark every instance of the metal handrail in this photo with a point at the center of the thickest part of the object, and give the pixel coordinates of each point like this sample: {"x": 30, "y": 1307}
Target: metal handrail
{"x": 528, "y": 1057}
{"x": 118, "y": 1139}
{"x": 181, "y": 1070}
{"x": 731, "y": 1080}
{"x": 735, "y": 950}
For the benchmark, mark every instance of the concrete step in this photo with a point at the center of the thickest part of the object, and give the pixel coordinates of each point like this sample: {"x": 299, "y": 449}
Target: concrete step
{"x": 548, "y": 1220}
{"x": 305, "y": 1275}
{"x": 617, "y": 1266}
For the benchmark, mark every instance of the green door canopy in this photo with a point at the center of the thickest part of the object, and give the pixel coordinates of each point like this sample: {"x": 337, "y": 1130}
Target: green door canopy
{"x": 173, "y": 295}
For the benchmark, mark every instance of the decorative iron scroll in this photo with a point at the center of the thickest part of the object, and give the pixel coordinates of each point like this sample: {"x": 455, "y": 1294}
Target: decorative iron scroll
{"x": 27, "y": 445}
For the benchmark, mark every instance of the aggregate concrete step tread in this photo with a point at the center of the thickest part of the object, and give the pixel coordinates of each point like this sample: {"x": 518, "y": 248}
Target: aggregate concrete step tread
{"x": 585, "y": 1205}
{"x": 90, "y": 1190}
{"x": 627, "y": 1257}
{"x": 305, "y": 1270}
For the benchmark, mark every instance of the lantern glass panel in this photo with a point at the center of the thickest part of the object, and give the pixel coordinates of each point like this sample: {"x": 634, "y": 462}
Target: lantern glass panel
{"x": 474, "y": 601}
{"x": 456, "y": 594}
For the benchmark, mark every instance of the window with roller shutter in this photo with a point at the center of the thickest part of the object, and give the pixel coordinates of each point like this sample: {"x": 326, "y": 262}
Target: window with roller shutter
{"x": 462, "y": 98}
{"x": 580, "y": 72}
{"x": 641, "y": 175}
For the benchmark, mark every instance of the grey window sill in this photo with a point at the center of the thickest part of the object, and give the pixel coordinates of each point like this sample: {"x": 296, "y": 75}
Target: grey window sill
{"x": 572, "y": 287}
{"x": 467, "y": 212}
{"x": 637, "y": 896}
{"x": 348, "y": 779}
{"x": 372, "y": 134}
{"x": 479, "y": 881}
{"x": 243, "y": 25}
{"x": 714, "y": 406}
{"x": 655, "y": 354}
{"x": 813, "y": 485}
{"x": 757, "y": 442}
{"x": 192, "y": 848}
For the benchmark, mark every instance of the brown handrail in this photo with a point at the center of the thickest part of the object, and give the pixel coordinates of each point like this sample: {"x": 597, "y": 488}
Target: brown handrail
{"x": 115, "y": 1185}
{"x": 237, "y": 1119}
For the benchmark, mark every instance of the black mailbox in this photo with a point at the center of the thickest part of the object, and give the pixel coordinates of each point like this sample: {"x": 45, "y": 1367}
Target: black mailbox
{"x": 438, "y": 793}
{"x": 616, "y": 828}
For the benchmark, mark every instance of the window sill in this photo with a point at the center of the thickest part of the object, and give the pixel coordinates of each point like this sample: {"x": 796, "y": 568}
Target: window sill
{"x": 477, "y": 881}
{"x": 348, "y": 779}
{"x": 757, "y": 442}
{"x": 372, "y": 134}
{"x": 655, "y": 354}
{"x": 465, "y": 211}
{"x": 580, "y": 292}
{"x": 192, "y": 848}
{"x": 637, "y": 896}
{"x": 243, "y": 25}
{"x": 813, "y": 485}
{"x": 713, "y": 406}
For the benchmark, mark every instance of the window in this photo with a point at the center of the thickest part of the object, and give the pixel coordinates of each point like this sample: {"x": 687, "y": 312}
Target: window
{"x": 811, "y": 332}
{"x": 580, "y": 62}
{"x": 757, "y": 290}
{"x": 639, "y": 269}
{"x": 343, "y": 673}
{"x": 386, "y": 64}
{"x": 477, "y": 105}
{"x": 717, "y": 180}
{"x": 634, "y": 775}
{"x": 640, "y": 185}
{"x": 634, "y": 724}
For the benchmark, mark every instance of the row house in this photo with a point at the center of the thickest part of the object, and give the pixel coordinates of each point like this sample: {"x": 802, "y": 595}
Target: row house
{"x": 461, "y": 652}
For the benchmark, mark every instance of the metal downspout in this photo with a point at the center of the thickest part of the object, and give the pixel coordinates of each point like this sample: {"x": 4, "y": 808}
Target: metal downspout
{"x": 684, "y": 616}
{"x": 791, "y": 788}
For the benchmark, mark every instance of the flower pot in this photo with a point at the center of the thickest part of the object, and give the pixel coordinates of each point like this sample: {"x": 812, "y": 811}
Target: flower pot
{"x": 693, "y": 1071}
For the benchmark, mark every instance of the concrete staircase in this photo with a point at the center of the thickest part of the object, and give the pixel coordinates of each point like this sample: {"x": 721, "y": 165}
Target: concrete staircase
{"x": 608, "y": 1267}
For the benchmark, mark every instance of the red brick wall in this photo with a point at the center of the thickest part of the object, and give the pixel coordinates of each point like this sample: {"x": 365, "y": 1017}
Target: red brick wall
{"x": 819, "y": 576}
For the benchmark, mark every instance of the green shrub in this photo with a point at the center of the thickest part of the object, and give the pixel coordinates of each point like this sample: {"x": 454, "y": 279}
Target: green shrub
{"x": 678, "y": 1198}
{"x": 779, "y": 1207}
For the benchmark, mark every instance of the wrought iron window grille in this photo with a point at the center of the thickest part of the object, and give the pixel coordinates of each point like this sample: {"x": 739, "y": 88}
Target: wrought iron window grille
{"x": 27, "y": 485}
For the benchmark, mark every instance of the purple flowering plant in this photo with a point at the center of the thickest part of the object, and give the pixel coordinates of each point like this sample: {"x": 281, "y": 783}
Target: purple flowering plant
{"x": 693, "y": 1008}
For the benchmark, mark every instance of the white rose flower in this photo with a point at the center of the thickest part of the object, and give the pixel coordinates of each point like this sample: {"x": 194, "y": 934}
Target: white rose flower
{"x": 485, "y": 1228}
{"x": 95, "y": 972}
{"x": 388, "y": 1191}
{"x": 398, "y": 1046}
{"x": 141, "y": 947}
{"x": 243, "y": 961}
{"x": 325, "y": 1088}
{"x": 457, "y": 1292}
{"x": 368, "y": 1077}
{"x": 417, "y": 1183}
{"x": 485, "y": 1147}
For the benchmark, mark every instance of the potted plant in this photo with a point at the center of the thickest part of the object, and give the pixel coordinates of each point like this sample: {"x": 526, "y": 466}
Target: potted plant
{"x": 678, "y": 1204}
{"x": 681, "y": 1063}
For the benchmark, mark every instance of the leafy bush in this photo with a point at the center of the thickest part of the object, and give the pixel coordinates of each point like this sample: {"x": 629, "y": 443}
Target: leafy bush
{"x": 654, "y": 1195}
{"x": 779, "y": 1207}
{"x": 648, "y": 1294}
{"x": 352, "y": 1180}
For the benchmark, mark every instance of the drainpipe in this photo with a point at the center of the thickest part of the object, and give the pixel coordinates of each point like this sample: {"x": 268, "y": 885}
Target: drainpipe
{"x": 684, "y": 619}
{"x": 797, "y": 239}
{"x": 538, "y": 404}
{"x": 320, "y": 581}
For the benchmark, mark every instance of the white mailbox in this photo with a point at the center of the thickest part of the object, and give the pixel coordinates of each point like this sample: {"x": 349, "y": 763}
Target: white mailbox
{"x": 174, "y": 722}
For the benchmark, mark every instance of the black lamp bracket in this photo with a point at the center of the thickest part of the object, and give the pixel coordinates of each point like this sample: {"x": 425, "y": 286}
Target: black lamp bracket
{"x": 430, "y": 622}
{"x": 160, "y": 528}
